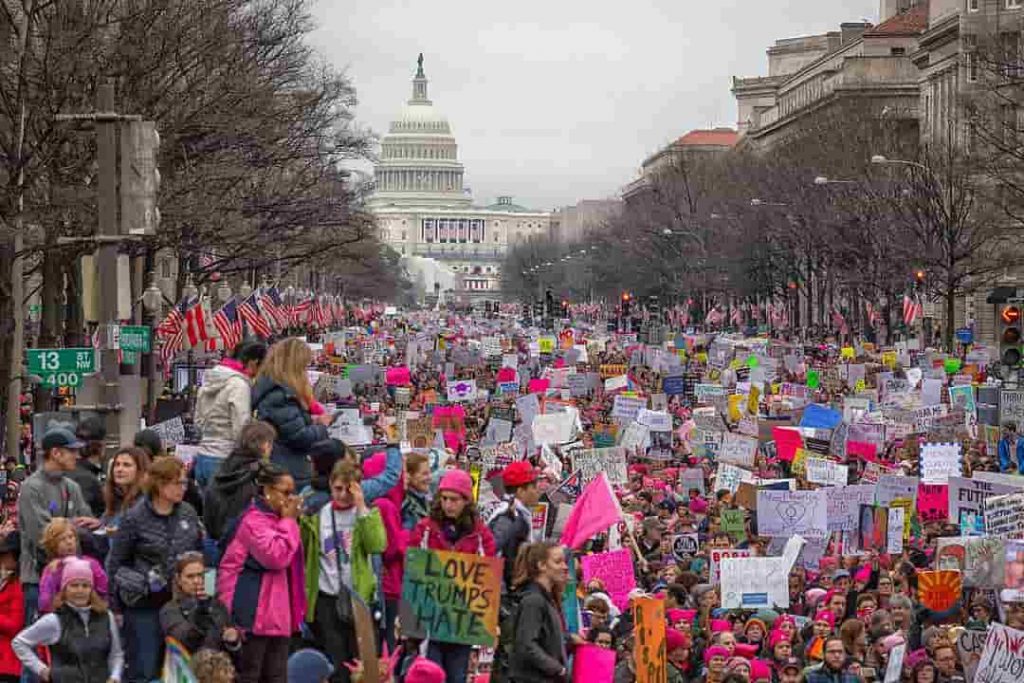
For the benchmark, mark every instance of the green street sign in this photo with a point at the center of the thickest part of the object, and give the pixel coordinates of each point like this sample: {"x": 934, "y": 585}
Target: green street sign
{"x": 61, "y": 367}
{"x": 129, "y": 357}
{"x": 135, "y": 338}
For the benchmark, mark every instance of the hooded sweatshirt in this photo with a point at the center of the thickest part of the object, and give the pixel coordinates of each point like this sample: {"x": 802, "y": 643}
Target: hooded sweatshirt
{"x": 230, "y": 492}
{"x": 223, "y": 407}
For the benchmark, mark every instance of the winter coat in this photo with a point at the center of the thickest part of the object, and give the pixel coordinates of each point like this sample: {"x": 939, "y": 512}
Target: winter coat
{"x": 148, "y": 540}
{"x": 230, "y": 492}
{"x": 393, "y": 555}
{"x": 49, "y": 583}
{"x": 825, "y": 675}
{"x": 260, "y": 579}
{"x": 12, "y": 619}
{"x": 415, "y": 506}
{"x": 476, "y": 542}
{"x": 223, "y": 407}
{"x": 368, "y": 538}
{"x": 87, "y": 476}
{"x": 195, "y": 623}
{"x": 296, "y": 431}
{"x": 510, "y": 532}
{"x": 539, "y": 648}
{"x": 84, "y": 646}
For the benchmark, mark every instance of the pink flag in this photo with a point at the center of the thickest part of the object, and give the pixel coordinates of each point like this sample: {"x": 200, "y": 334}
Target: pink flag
{"x": 595, "y": 510}
{"x": 593, "y": 664}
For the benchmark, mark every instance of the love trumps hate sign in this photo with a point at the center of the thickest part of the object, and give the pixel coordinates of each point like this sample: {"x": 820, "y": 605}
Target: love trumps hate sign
{"x": 451, "y": 597}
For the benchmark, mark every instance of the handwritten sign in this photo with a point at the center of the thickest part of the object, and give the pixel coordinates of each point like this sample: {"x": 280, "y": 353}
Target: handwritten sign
{"x": 716, "y": 555}
{"x": 932, "y": 502}
{"x": 844, "y": 506}
{"x": 939, "y": 462}
{"x": 894, "y": 536}
{"x": 1004, "y": 515}
{"x": 826, "y": 472}
{"x": 451, "y": 597}
{"x": 1002, "y": 660}
{"x": 462, "y": 390}
{"x": 737, "y": 450}
{"x": 968, "y": 496}
{"x": 627, "y": 408}
{"x": 785, "y": 513}
{"x": 754, "y": 583}
{"x": 611, "y": 461}
{"x": 615, "y": 569}
{"x": 650, "y": 659}
{"x": 684, "y": 545}
{"x": 733, "y": 523}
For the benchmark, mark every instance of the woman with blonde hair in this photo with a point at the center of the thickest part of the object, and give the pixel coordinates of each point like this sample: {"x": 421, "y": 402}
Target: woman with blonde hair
{"x": 283, "y": 397}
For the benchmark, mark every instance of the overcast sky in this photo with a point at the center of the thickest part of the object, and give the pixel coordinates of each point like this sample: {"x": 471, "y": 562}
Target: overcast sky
{"x": 553, "y": 101}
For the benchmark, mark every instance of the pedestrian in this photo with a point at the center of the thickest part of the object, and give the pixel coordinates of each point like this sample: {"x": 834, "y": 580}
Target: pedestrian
{"x": 12, "y": 606}
{"x": 193, "y": 618}
{"x": 48, "y": 493}
{"x": 283, "y": 396}
{"x": 345, "y": 532}
{"x": 309, "y": 666}
{"x": 416, "y": 503}
{"x": 390, "y": 563}
{"x": 832, "y": 669}
{"x": 81, "y": 634}
{"x": 88, "y": 472}
{"x": 233, "y": 487}
{"x": 454, "y": 525}
{"x": 260, "y": 579}
{"x": 60, "y": 543}
{"x": 539, "y": 651}
{"x": 123, "y": 487}
{"x": 152, "y": 534}
{"x": 223, "y": 406}
{"x": 1011, "y": 449}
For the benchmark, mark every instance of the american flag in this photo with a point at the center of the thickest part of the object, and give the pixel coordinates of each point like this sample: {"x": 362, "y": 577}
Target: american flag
{"x": 874, "y": 316}
{"x": 912, "y": 310}
{"x": 714, "y": 317}
{"x": 300, "y": 310}
{"x": 249, "y": 310}
{"x": 736, "y": 317}
{"x": 229, "y": 324}
{"x": 839, "y": 321}
{"x": 273, "y": 307}
{"x": 171, "y": 333}
{"x": 196, "y": 324}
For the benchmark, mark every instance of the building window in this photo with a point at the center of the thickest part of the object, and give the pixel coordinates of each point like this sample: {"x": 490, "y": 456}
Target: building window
{"x": 898, "y": 51}
{"x": 972, "y": 5}
{"x": 165, "y": 268}
{"x": 1013, "y": 4}
{"x": 971, "y": 57}
{"x": 1010, "y": 42}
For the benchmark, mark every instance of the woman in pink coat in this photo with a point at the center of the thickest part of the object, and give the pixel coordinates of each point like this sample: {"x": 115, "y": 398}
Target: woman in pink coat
{"x": 393, "y": 557}
{"x": 261, "y": 579}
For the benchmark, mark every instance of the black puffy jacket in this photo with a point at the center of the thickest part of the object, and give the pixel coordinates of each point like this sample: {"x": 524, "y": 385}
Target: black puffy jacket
{"x": 296, "y": 431}
{"x": 538, "y": 653}
{"x": 230, "y": 492}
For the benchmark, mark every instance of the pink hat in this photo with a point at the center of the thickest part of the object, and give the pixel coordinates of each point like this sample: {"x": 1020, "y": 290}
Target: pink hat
{"x": 720, "y": 625}
{"x": 75, "y": 569}
{"x": 776, "y": 638}
{"x": 424, "y": 670}
{"x": 863, "y": 574}
{"x": 698, "y": 506}
{"x": 745, "y": 650}
{"x": 813, "y": 595}
{"x": 889, "y": 642}
{"x": 457, "y": 481}
{"x": 827, "y": 616}
{"x": 677, "y": 615}
{"x": 674, "y": 640}
{"x": 715, "y": 651}
{"x": 759, "y": 670}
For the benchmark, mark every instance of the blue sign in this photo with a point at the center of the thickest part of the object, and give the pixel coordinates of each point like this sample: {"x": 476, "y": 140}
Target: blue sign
{"x": 673, "y": 386}
{"x": 965, "y": 335}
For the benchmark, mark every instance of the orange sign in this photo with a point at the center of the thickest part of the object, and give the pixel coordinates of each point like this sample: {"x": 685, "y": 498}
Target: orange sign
{"x": 939, "y": 589}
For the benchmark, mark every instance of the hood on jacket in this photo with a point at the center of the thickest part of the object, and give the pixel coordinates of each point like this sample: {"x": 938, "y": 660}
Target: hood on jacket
{"x": 217, "y": 377}
{"x": 265, "y": 386}
{"x": 238, "y": 470}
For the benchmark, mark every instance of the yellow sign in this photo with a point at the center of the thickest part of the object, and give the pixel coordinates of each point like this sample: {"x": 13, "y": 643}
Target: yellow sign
{"x": 847, "y": 353}
{"x": 702, "y": 357}
{"x": 754, "y": 400}
{"x": 859, "y": 386}
{"x": 889, "y": 359}
{"x": 546, "y": 344}
{"x": 799, "y": 465}
{"x": 474, "y": 474}
{"x": 735, "y": 413}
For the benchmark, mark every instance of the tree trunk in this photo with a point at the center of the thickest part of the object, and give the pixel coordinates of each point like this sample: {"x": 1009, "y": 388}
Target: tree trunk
{"x": 947, "y": 334}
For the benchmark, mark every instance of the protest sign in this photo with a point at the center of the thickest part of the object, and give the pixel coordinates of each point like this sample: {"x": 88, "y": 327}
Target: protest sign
{"x": 932, "y": 502}
{"x": 1011, "y": 406}
{"x": 627, "y": 408}
{"x": 826, "y": 472}
{"x": 451, "y": 597}
{"x": 684, "y": 545}
{"x": 604, "y": 435}
{"x": 349, "y": 428}
{"x": 593, "y": 664}
{"x": 616, "y": 383}
{"x": 894, "y": 537}
{"x": 892, "y": 487}
{"x": 1002, "y": 659}
{"x": 844, "y": 506}
{"x": 462, "y": 390}
{"x": 733, "y": 523}
{"x": 715, "y": 557}
{"x": 615, "y": 569}
{"x": 634, "y": 436}
{"x": 692, "y": 478}
{"x": 969, "y": 645}
{"x": 554, "y": 428}
{"x": 649, "y": 653}
{"x": 787, "y": 442}
{"x": 939, "y": 589}
{"x": 894, "y": 669}
{"x": 655, "y": 420}
{"x": 539, "y": 525}
{"x": 674, "y": 385}
{"x": 754, "y": 583}
{"x": 528, "y": 407}
{"x": 171, "y": 432}
{"x": 784, "y": 513}
{"x": 1013, "y": 582}
{"x": 984, "y": 562}
{"x": 611, "y": 461}
{"x": 967, "y": 496}
{"x": 820, "y": 417}
{"x": 939, "y": 462}
{"x": 706, "y": 393}
{"x": 874, "y": 527}
{"x": 1004, "y": 515}
{"x": 729, "y": 477}
{"x": 737, "y": 450}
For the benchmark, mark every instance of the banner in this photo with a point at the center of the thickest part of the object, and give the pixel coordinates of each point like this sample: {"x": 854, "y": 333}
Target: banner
{"x": 939, "y": 589}
{"x": 593, "y": 664}
{"x": 649, "y": 653}
{"x": 611, "y": 461}
{"x": 967, "y": 498}
{"x": 1004, "y": 515}
{"x": 451, "y": 597}
{"x": 1002, "y": 660}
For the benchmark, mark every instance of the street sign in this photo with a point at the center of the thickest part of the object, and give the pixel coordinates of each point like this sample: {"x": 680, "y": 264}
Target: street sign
{"x": 965, "y": 335}
{"x": 135, "y": 338}
{"x": 61, "y": 367}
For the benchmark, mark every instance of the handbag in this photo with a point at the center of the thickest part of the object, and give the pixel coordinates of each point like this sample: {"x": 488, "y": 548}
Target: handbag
{"x": 343, "y": 603}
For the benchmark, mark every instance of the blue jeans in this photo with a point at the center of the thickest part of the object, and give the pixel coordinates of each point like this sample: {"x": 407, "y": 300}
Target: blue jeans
{"x": 452, "y": 657}
{"x": 144, "y": 643}
{"x": 205, "y": 468}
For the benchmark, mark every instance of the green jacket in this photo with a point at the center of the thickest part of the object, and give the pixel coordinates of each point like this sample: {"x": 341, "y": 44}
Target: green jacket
{"x": 368, "y": 538}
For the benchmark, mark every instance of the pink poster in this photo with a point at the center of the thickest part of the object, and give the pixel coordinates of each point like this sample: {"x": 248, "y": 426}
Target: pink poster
{"x": 864, "y": 450}
{"x": 398, "y": 376}
{"x": 787, "y": 441}
{"x": 538, "y": 386}
{"x": 932, "y": 502}
{"x": 593, "y": 664}
{"x": 615, "y": 569}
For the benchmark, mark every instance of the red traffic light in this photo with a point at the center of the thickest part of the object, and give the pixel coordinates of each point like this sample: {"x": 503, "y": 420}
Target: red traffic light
{"x": 625, "y": 296}
{"x": 919, "y": 276}
{"x": 1010, "y": 315}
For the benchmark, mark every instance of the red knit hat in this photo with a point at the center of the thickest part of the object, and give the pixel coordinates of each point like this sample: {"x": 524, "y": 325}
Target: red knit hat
{"x": 519, "y": 473}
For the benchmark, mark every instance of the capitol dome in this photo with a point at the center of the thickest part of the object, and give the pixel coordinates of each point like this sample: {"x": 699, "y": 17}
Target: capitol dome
{"x": 419, "y": 156}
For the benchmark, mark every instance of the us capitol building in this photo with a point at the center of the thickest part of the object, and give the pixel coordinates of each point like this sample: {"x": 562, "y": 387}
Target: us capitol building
{"x": 426, "y": 214}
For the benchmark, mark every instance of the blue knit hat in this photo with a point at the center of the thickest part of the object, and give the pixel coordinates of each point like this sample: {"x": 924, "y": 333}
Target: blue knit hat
{"x": 309, "y": 666}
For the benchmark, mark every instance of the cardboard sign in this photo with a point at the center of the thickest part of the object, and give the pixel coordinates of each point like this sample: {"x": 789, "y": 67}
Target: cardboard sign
{"x": 554, "y": 428}
{"x": 649, "y": 653}
{"x": 1002, "y": 660}
{"x": 627, "y": 408}
{"x": 785, "y": 513}
{"x": 939, "y": 589}
{"x": 715, "y": 557}
{"x": 1004, "y": 515}
{"x": 754, "y": 583}
{"x": 611, "y": 461}
{"x": 733, "y": 523}
{"x": 844, "y": 506}
{"x": 737, "y": 450}
{"x": 969, "y": 646}
{"x": 615, "y": 569}
{"x": 593, "y": 664}
{"x": 939, "y": 462}
{"x": 451, "y": 597}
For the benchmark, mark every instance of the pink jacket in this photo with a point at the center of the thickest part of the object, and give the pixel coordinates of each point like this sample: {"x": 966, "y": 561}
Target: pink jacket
{"x": 390, "y": 507}
{"x": 479, "y": 539}
{"x": 261, "y": 577}
{"x": 49, "y": 582}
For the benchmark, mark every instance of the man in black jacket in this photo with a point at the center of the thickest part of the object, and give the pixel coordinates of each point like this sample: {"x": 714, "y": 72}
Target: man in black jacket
{"x": 88, "y": 472}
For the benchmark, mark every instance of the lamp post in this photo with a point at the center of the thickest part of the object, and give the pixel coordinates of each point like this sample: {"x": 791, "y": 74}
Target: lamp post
{"x": 152, "y": 307}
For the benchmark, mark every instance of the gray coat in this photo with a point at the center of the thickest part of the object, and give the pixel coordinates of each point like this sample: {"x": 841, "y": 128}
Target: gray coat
{"x": 44, "y": 496}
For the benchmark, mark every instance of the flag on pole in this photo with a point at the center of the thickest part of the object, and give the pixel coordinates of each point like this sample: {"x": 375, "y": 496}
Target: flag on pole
{"x": 249, "y": 310}
{"x": 273, "y": 308}
{"x": 229, "y": 325}
{"x": 196, "y": 323}
{"x": 912, "y": 310}
{"x": 595, "y": 510}
{"x": 171, "y": 333}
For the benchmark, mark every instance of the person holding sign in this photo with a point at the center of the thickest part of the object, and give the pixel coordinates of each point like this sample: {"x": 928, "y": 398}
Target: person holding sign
{"x": 454, "y": 524}
{"x": 539, "y": 653}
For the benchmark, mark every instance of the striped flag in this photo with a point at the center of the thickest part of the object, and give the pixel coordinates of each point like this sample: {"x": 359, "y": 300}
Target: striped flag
{"x": 171, "y": 333}
{"x": 196, "y": 327}
{"x": 229, "y": 325}
{"x": 273, "y": 307}
{"x": 249, "y": 310}
{"x": 299, "y": 312}
{"x": 912, "y": 310}
{"x": 736, "y": 317}
{"x": 874, "y": 316}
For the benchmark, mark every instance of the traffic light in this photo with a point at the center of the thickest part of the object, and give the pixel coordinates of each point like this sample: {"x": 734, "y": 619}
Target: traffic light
{"x": 919, "y": 277}
{"x": 549, "y": 303}
{"x": 1011, "y": 338}
{"x": 654, "y": 308}
{"x": 538, "y": 309}
{"x": 625, "y": 304}
{"x": 140, "y": 178}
